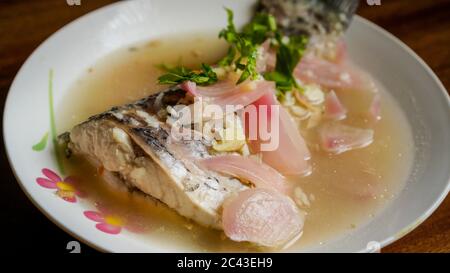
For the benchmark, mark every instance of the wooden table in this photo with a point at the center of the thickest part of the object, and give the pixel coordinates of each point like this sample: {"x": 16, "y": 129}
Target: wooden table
{"x": 423, "y": 25}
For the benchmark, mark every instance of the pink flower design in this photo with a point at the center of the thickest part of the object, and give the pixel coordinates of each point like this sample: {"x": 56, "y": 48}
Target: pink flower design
{"x": 113, "y": 223}
{"x": 65, "y": 188}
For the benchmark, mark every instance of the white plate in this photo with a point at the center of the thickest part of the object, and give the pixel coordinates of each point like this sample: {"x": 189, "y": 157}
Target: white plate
{"x": 71, "y": 50}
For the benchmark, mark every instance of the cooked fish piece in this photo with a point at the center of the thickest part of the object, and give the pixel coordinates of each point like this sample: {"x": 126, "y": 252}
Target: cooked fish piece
{"x": 311, "y": 17}
{"x": 134, "y": 144}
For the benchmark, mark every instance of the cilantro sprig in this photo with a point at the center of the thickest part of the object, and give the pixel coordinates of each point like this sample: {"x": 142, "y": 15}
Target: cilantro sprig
{"x": 242, "y": 55}
{"x": 243, "y": 50}
{"x": 290, "y": 51}
{"x": 179, "y": 74}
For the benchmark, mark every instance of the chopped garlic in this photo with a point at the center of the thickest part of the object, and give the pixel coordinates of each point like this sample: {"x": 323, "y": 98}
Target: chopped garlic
{"x": 228, "y": 146}
{"x": 314, "y": 94}
{"x": 301, "y": 198}
{"x": 316, "y": 117}
{"x": 172, "y": 111}
{"x": 249, "y": 86}
{"x": 288, "y": 99}
{"x": 220, "y": 72}
{"x": 234, "y": 76}
{"x": 245, "y": 151}
{"x": 299, "y": 112}
{"x": 345, "y": 77}
{"x": 232, "y": 138}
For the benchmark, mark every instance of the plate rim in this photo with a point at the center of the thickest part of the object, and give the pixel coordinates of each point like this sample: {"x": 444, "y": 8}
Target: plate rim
{"x": 407, "y": 228}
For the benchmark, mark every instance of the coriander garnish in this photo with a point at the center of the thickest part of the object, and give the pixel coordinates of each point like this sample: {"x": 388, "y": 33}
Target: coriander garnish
{"x": 179, "y": 74}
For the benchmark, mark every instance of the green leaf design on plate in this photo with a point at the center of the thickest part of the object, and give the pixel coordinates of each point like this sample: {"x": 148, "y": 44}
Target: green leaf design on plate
{"x": 40, "y": 146}
{"x": 56, "y": 147}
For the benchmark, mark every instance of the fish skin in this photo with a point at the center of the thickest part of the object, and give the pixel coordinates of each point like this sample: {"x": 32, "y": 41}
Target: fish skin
{"x": 147, "y": 158}
{"x": 310, "y": 17}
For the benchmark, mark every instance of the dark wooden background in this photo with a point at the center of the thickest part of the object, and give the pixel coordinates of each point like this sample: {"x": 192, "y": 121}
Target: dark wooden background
{"x": 422, "y": 25}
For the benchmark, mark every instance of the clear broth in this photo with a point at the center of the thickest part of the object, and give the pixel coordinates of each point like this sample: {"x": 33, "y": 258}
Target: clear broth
{"x": 130, "y": 74}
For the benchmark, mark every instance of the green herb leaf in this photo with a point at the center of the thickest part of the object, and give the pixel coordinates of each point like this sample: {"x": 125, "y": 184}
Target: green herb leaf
{"x": 245, "y": 44}
{"x": 229, "y": 34}
{"x": 229, "y": 58}
{"x": 40, "y": 146}
{"x": 179, "y": 74}
{"x": 249, "y": 68}
{"x": 260, "y": 28}
{"x": 243, "y": 53}
{"x": 289, "y": 54}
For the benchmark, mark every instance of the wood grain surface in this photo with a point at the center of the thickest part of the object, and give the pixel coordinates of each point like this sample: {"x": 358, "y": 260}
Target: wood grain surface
{"x": 422, "y": 25}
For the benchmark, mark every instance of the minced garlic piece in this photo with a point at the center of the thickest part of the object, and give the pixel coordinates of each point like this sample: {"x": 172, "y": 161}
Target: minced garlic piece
{"x": 220, "y": 72}
{"x": 231, "y": 138}
{"x": 345, "y": 77}
{"x": 316, "y": 117}
{"x": 249, "y": 86}
{"x": 228, "y": 146}
{"x": 245, "y": 151}
{"x": 234, "y": 76}
{"x": 301, "y": 198}
{"x": 288, "y": 99}
{"x": 314, "y": 94}
{"x": 299, "y": 112}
